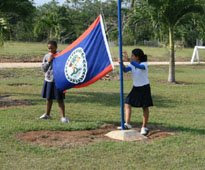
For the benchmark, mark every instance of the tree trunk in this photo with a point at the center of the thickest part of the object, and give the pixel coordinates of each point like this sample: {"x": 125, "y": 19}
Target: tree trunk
{"x": 132, "y": 4}
{"x": 171, "y": 77}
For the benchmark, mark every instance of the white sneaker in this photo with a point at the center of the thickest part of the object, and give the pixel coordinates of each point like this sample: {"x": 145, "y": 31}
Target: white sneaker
{"x": 144, "y": 131}
{"x": 126, "y": 126}
{"x": 45, "y": 116}
{"x": 64, "y": 120}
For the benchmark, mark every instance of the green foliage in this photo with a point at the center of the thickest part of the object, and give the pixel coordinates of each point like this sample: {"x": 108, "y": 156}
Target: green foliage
{"x": 66, "y": 23}
{"x": 192, "y": 29}
{"x": 138, "y": 26}
{"x": 17, "y": 14}
{"x": 48, "y": 21}
{"x": 143, "y": 21}
{"x": 17, "y": 8}
{"x": 170, "y": 12}
{"x": 150, "y": 20}
{"x": 3, "y": 28}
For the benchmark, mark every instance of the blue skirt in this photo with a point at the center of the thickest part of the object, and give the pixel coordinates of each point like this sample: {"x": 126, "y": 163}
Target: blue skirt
{"x": 140, "y": 97}
{"x": 49, "y": 91}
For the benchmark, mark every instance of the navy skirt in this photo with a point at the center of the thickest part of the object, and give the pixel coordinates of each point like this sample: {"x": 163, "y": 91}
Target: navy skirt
{"x": 49, "y": 91}
{"x": 140, "y": 97}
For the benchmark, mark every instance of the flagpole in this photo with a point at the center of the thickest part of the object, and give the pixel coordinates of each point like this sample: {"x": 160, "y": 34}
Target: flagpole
{"x": 121, "y": 65}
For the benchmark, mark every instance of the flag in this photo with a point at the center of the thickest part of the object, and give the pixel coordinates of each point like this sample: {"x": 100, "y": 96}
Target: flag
{"x": 85, "y": 61}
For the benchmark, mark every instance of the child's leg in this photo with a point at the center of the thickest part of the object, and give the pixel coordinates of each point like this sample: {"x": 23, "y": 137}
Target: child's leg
{"x": 49, "y": 103}
{"x": 127, "y": 113}
{"x": 62, "y": 107}
{"x": 145, "y": 116}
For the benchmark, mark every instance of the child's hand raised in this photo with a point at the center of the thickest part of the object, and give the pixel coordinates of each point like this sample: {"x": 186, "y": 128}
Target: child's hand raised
{"x": 51, "y": 58}
{"x": 120, "y": 61}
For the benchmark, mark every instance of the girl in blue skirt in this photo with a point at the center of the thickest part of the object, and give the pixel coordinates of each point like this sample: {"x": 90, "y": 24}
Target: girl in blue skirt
{"x": 140, "y": 95}
{"x": 49, "y": 91}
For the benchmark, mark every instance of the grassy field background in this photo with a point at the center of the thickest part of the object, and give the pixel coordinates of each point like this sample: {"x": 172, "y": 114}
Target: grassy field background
{"x": 178, "y": 107}
{"x": 25, "y": 52}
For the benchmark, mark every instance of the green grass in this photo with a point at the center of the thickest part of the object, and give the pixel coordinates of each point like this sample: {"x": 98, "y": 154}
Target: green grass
{"x": 178, "y": 107}
{"x": 24, "y": 52}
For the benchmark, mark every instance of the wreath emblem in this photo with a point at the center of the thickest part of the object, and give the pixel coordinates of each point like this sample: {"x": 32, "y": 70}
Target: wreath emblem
{"x": 76, "y": 66}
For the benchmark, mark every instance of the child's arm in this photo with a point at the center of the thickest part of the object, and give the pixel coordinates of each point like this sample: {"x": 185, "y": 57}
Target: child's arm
{"x": 137, "y": 65}
{"x": 46, "y": 63}
{"x": 125, "y": 69}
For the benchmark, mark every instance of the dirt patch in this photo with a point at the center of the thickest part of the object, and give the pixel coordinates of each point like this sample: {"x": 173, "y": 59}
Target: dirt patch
{"x": 155, "y": 134}
{"x": 6, "y": 101}
{"x": 78, "y": 138}
{"x": 19, "y": 84}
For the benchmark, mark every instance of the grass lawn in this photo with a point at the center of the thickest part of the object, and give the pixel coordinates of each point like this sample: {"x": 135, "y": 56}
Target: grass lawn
{"x": 178, "y": 107}
{"x": 23, "y": 52}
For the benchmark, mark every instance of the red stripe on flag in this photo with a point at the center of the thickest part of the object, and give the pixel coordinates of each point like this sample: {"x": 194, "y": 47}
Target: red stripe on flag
{"x": 94, "y": 79}
{"x": 81, "y": 38}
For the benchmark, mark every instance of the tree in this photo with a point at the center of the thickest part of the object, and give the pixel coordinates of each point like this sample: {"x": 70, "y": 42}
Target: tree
{"x": 86, "y": 12}
{"x": 192, "y": 25}
{"x": 48, "y": 22}
{"x": 169, "y": 14}
{"x": 137, "y": 25}
{"x": 11, "y": 12}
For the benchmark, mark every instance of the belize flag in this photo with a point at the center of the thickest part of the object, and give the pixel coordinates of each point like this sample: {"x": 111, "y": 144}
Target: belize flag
{"x": 85, "y": 61}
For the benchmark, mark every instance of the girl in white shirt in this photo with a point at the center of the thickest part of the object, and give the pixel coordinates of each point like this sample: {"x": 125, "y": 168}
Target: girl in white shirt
{"x": 140, "y": 95}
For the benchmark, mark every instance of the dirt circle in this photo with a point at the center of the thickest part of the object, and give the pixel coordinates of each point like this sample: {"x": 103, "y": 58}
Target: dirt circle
{"x": 78, "y": 138}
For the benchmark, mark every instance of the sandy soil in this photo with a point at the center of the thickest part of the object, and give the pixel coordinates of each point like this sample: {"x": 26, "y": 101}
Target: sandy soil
{"x": 81, "y": 138}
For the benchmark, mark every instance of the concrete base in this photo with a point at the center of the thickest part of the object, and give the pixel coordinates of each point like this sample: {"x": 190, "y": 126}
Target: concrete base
{"x": 126, "y": 135}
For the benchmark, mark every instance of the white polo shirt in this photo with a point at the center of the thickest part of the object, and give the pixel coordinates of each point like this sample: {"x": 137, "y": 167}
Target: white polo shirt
{"x": 139, "y": 76}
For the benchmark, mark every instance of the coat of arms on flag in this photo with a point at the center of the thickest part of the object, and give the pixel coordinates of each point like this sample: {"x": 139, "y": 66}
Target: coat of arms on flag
{"x": 76, "y": 66}
{"x": 85, "y": 61}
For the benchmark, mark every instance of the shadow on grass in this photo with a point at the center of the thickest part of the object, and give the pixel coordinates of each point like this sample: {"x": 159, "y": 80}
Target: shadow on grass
{"x": 188, "y": 129}
{"x": 161, "y": 101}
{"x": 104, "y": 98}
{"x": 161, "y": 127}
{"x": 4, "y": 96}
{"x": 12, "y": 100}
{"x": 113, "y": 99}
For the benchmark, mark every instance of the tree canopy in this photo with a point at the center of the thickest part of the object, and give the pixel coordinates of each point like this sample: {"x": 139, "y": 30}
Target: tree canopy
{"x": 144, "y": 20}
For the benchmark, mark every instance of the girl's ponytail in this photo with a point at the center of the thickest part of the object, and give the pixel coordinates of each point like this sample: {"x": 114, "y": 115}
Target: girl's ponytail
{"x": 144, "y": 58}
